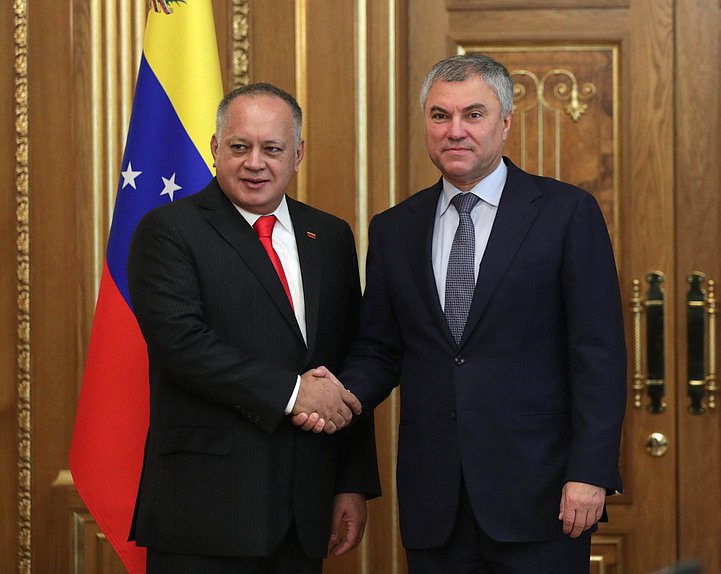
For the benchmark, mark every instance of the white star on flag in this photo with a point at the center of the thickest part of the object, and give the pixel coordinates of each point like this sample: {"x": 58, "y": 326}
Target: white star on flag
{"x": 170, "y": 186}
{"x": 129, "y": 176}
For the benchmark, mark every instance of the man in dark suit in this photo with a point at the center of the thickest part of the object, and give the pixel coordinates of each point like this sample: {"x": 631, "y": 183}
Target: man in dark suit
{"x": 235, "y": 317}
{"x": 499, "y": 316}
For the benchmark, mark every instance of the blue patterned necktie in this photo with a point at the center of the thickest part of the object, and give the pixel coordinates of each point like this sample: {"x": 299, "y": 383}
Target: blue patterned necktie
{"x": 460, "y": 277}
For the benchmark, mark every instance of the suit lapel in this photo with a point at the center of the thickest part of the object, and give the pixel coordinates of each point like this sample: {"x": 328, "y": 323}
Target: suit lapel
{"x": 515, "y": 215}
{"x": 309, "y": 254}
{"x": 230, "y": 225}
{"x": 419, "y": 246}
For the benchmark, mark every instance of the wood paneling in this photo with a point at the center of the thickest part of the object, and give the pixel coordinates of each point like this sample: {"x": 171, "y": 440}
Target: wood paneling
{"x": 606, "y": 553}
{"x": 79, "y": 546}
{"x": 698, "y": 186}
{"x": 350, "y": 65}
{"x": 650, "y": 502}
{"x": 54, "y": 300}
{"x": 533, "y": 4}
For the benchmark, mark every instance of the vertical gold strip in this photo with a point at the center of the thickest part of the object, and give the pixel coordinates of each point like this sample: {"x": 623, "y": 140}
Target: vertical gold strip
{"x": 362, "y": 129}
{"x": 22, "y": 195}
{"x": 127, "y": 63}
{"x": 96, "y": 87}
{"x": 540, "y": 132}
{"x": 139, "y": 19}
{"x": 392, "y": 181}
{"x": 362, "y": 164}
{"x": 392, "y": 199}
{"x": 616, "y": 155}
{"x": 557, "y": 140}
{"x": 241, "y": 41}
{"x": 301, "y": 86}
{"x": 110, "y": 112}
{"x": 523, "y": 140}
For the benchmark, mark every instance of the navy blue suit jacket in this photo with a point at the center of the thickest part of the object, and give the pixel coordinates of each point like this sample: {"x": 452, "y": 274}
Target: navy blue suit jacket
{"x": 533, "y": 396}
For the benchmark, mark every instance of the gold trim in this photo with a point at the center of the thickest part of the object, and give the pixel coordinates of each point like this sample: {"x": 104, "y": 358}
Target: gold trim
{"x": 241, "y": 43}
{"x": 22, "y": 194}
{"x": 636, "y": 311}
{"x": 711, "y": 384}
{"x": 96, "y": 164}
{"x": 601, "y": 561}
{"x": 301, "y": 86}
{"x": 393, "y": 8}
{"x": 362, "y": 129}
{"x": 392, "y": 112}
{"x": 361, "y": 37}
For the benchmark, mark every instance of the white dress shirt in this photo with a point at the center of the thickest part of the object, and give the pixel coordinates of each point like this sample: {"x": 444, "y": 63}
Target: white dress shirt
{"x": 489, "y": 190}
{"x": 285, "y": 245}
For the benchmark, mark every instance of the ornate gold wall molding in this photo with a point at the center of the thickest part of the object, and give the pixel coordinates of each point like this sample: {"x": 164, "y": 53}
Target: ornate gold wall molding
{"x": 22, "y": 189}
{"x": 241, "y": 43}
{"x": 563, "y": 86}
{"x": 566, "y": 89}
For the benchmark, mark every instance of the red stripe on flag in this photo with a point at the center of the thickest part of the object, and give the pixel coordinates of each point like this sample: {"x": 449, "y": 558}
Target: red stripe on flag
{"x": 112, "y": 421}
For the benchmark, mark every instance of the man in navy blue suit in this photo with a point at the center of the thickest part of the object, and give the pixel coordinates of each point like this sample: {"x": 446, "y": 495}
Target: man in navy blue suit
{"x": 499, "y": 316}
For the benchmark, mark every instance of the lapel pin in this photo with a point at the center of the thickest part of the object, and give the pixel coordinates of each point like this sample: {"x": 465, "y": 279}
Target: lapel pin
{"x": 311, "y": 235}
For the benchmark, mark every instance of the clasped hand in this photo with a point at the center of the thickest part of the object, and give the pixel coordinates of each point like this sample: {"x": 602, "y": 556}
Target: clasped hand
{"x": 323, "y": 403}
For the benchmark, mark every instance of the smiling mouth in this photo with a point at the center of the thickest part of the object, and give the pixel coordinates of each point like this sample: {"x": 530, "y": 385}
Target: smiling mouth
{"x": 255, "y": 183}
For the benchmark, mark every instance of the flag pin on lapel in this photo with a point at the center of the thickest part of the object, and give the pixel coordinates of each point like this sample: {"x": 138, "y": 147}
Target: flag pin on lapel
{"x": 311, "y": 235}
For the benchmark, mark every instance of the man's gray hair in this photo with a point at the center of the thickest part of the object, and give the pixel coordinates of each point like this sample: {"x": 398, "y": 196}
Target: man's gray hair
{"x": 462, "y": 67}
{"x": 257, "y": 90}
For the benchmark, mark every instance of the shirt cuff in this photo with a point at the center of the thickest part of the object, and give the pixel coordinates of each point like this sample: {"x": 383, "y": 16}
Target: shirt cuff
{"x": 293, "y": 397}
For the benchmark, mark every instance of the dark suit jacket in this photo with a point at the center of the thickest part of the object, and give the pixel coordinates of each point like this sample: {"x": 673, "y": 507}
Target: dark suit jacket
{"x": 225, "y": 472}
{"x": 533, "y": 396}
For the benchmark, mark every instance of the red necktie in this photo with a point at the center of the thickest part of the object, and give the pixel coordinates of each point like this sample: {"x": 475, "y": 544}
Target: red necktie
{"x": 264, "y": 228}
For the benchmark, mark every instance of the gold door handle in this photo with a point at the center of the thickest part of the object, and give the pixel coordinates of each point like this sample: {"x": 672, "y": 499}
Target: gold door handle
{"x": 656, "y": 444}
{"x": 701, "y": 344}
{"x": 653, "y": 306}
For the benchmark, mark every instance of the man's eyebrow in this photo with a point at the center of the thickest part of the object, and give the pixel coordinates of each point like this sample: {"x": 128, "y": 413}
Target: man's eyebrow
{"x": 468, "y": 108}
{"x": 476, "y": 106}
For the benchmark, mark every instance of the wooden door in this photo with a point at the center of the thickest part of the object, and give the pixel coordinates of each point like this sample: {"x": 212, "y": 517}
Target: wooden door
{"x": 697, "y": 248}
{"x": 619, "y": 97}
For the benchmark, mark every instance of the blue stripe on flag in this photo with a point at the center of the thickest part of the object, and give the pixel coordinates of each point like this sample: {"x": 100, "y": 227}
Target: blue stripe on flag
{"x": 159, "y": 148}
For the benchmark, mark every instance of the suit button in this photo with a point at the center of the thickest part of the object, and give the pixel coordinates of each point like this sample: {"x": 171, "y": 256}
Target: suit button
{"x": 459, "y": 360}
{"x": 453, "y": 415}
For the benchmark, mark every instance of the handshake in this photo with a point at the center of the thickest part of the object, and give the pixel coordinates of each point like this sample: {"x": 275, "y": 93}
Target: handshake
{"x": 323, "y": 403}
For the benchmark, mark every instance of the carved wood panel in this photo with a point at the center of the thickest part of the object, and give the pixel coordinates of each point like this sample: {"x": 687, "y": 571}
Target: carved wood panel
{"x": 564, "y": 117}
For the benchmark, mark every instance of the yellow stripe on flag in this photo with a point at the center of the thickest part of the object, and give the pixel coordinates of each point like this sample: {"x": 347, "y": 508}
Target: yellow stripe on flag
{"x": 182, "y": 51}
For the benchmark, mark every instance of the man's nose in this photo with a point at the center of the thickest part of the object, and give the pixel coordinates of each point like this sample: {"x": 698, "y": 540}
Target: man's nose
{"x": 456, "y": 129}
{"x": 254, "y": 160}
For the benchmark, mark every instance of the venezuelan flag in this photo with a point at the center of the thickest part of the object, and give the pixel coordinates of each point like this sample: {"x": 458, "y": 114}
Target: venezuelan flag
{"x": 167, "y": 156}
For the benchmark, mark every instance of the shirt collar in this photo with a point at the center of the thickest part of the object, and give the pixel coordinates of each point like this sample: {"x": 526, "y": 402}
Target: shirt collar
{"x": 489, "y": 189}
{"x": 281, "y": 213}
